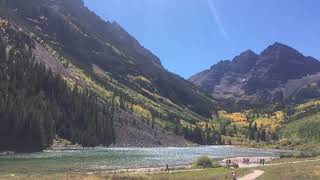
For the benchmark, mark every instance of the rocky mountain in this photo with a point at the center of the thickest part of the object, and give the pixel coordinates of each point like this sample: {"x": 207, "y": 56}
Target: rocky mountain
{"x": 278, "y": 75}
{"x": 101, "y": 57}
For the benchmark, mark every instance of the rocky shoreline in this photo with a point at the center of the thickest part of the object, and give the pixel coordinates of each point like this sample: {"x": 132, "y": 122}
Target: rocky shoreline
{"x": 7, "y": 152}
{"x": 62, "y": 144}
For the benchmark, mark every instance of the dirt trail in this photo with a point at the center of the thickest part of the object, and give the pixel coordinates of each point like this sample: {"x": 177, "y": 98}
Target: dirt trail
{"x": 258, "y": 173}
{"x": 252, "y": 176}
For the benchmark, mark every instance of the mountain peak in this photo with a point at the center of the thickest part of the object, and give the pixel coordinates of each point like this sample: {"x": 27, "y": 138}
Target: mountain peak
{"x": 244, "y": 62}
{"x": 279, "y": 44}
{"x": 277, "y": 48}
{"x": 246, "y": 55}
{"x": 248, "y": 52}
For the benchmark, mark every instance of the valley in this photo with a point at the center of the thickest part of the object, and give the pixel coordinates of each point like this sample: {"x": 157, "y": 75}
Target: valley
{"x": 81, "y": 97}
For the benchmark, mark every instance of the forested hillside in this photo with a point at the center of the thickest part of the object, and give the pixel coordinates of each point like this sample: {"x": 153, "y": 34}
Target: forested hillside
{"x": 303, "y": 127}
{"x": 36, "y": 105}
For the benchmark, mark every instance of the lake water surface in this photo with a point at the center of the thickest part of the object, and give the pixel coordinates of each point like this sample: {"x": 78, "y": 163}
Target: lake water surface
{"x": 121, "y": 158}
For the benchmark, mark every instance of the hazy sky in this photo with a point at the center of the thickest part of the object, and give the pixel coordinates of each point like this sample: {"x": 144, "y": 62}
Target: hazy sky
{"x": 191, "y": 35}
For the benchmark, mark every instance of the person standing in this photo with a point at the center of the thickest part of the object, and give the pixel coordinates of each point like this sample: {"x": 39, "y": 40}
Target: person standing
{"x": 233, "y": 176}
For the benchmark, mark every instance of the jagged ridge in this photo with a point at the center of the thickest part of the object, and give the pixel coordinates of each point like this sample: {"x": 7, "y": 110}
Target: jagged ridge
{"x": 252, "y": 79}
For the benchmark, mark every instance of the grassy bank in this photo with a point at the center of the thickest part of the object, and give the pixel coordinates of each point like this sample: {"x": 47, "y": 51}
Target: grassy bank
{"x": 284, "y": 168}
{"x": 203, "y": 174}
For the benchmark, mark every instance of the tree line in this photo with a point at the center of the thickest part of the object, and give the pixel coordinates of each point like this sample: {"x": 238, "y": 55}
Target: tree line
{"x": 261, "y": 134}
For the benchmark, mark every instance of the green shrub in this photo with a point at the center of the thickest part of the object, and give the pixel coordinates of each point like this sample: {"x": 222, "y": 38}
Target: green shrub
{"x": 206, "y": 162}
{"x": 287, "y": 155}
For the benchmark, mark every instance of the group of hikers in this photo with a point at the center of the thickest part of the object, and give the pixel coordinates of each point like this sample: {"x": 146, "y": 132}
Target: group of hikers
{"x": 262, "y": 162}
{"x": 231, "y": 164}
{"x": 246, "y": 161}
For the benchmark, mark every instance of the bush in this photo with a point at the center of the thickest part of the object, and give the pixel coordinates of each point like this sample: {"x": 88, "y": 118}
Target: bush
{"x": 287, "y": 155}
{"x": 206, "y": 162}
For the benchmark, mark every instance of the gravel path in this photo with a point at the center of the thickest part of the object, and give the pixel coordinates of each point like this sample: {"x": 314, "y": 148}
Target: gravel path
{"x": 252, "y": 176}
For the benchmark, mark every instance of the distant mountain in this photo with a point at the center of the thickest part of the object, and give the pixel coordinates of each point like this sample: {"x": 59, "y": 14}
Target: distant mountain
{"x": 101, "y": 57}
{"x": 279, "y": 75}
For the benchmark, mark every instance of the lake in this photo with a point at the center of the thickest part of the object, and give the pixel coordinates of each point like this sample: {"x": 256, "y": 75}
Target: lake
{"x": 119, "y": 158}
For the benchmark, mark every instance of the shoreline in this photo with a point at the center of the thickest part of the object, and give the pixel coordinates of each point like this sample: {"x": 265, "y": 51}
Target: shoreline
{"x": 135, "y": 170}
{"x": 254, "y": 162}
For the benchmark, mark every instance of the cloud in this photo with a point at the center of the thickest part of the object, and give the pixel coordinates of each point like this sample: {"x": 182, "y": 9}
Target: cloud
{"x": 217, "y": 19}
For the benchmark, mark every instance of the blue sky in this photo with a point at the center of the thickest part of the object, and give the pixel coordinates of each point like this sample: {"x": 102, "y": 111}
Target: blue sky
{"x": 191, "y": 35}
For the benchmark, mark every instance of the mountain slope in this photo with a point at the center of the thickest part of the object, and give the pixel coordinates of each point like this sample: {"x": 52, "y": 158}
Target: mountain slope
{"x": 36, "y": 105}
{"x": 104, "y": 59}
{"x": 87, "y": 40}
{"x": 277, "y": 76}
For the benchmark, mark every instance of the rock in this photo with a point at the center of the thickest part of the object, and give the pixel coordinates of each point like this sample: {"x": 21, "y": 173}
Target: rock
{"x": 62, "y": 144}
{"x": 7, "y": 153}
